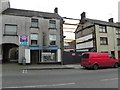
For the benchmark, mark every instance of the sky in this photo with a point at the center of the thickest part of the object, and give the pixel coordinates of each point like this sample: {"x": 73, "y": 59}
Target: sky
{"x": 95, "y": 9}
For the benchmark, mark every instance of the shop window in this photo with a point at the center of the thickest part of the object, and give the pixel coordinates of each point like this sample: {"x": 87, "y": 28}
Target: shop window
{"x": 49, "y": 56}
{"x": 103, "y": 41}
{"x": 102, "y": 29}
{"x": 34, "y": 23}
{"x": 10, "y": 29}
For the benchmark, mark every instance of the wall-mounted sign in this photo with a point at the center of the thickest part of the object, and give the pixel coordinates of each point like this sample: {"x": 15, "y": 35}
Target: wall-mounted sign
{"x": 24, "y": 40}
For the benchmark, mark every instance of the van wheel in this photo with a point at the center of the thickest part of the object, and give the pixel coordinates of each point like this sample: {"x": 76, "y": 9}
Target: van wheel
{"x": 116, "y": 65}
{"x": 95, "y": 67}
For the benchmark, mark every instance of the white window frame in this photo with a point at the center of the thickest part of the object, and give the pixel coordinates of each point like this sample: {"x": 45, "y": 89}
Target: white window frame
{"x": 9, "y": 31}
{"x": 52, "y": 24}
{"x": 102, "y": 29}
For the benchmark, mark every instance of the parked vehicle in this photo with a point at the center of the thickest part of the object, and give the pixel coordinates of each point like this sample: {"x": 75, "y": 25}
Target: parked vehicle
{"x": 96, "y": 60}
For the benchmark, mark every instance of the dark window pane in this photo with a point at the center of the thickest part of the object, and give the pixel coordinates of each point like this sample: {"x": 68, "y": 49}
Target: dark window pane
{"x": 53, "y": 43}
{"x": 103, "y": 41}
{"x": 33, "y": 42}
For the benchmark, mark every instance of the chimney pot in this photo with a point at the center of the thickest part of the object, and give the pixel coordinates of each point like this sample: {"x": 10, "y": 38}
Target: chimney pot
{"x": 83, "y": 15}
{"x": 56, "y": 10}
{"x": 111, "y": 20}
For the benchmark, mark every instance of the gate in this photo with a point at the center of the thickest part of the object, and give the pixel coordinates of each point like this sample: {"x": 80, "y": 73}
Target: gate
{"x": 71, "y": 57}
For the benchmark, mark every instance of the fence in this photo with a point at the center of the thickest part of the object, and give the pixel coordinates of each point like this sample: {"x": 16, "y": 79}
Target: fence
{"x": 71, "y": 57}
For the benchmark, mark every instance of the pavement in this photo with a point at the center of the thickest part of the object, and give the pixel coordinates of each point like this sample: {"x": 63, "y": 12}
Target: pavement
{"x": 41, "y": 66}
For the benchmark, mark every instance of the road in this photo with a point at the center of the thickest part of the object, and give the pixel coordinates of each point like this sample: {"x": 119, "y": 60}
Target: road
{"x": 62, "y": 78}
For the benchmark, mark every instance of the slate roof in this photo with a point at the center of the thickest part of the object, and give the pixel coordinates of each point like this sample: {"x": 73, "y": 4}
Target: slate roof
{"x": 99, "y": 22}
{"x": 94, "y": 21}
{"x": 30, "y": 13}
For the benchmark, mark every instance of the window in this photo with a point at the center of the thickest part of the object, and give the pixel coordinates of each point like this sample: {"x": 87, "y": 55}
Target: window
{"x": 34, "y": 36}
{"x": 34, "y": 42}
{"x": 52, "y": 39}
{"x": 118, "y": 41}
{"x": 103, "y": 41}
{"x": 10, "y": 29}
{"x": 117, "y": 30}
{"x": 34, "y": 23}
{"x": 85, "y": 56}
{"x": 52, "y": 24}
{"x": 52, "y": 42}
{"x": 102, "y": 29}
{"x": 34, "y": 39}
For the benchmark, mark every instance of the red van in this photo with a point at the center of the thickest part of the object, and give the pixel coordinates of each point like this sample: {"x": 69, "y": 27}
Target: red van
{"x": 96, "y": 60}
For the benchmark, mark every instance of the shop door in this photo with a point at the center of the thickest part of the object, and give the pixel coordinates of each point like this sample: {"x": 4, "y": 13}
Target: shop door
{"x": 34, "y": 56}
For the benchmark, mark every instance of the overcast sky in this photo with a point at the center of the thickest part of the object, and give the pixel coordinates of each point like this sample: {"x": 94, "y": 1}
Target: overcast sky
{"x": 95, "y": 9}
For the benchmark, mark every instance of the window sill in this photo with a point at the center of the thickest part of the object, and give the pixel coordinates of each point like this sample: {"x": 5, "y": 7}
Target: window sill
{"x": 34, "y": 27}
{"x": 117, "y": 33}
{"x": 34, "y": 45}
{"x": 103, "y": 44}
{"x": 52, "y": 28}
{"x": 52, "y": 45}
{"x": 9, "y": 35}
{"x": 102, "y": 32}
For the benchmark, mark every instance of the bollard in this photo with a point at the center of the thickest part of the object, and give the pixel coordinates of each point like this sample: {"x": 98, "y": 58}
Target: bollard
{"x": 23, "y": 61}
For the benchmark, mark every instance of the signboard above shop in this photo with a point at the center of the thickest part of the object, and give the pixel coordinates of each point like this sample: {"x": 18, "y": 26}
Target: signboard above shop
{"x": 23, "y": 40}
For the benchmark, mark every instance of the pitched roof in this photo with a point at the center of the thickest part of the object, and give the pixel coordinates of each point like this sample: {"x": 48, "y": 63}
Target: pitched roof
{"x": 94, "y": 21}
{"x": 30, "y": 13}
{"x": 99, "y": 22}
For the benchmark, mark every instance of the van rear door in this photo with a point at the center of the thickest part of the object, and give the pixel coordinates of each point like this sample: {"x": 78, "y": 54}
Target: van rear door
{"x": 85, "y": 59}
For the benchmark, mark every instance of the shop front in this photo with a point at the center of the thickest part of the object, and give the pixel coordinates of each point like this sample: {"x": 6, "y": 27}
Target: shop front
{"x": 40, "y": 54}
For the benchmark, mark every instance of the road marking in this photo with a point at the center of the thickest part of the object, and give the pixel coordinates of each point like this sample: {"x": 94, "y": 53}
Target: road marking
{"x": 24, "y": 71}
{"x": 109, "y": 79}
{"x": 37, "y": 86}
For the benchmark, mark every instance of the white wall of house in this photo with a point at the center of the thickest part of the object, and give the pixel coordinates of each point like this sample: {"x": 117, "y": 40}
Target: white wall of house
{"x": 85, "y": 45}
{"x": 85, "y": 38}
{"x": 88, "y": 44}
{"x": 112, "y": 40}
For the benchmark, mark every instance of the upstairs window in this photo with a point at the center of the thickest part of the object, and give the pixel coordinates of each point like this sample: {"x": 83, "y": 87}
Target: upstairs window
{"x": 117, "y": 30}
{"x": 10, "y": 29}
{"x": 52, "y": 24}
{"x": 34, "y": 23}
{"x": 52, "y": 39}
{"x": 34, "y": 39}
{"x": 102, "y": 29}
{"x": 103, "y": 41}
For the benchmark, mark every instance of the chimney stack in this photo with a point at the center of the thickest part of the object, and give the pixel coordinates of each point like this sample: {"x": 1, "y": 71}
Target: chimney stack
{"x": 111, "y": 20}
{"x": 83, "y": 16}
{"x": 56, "y": 10}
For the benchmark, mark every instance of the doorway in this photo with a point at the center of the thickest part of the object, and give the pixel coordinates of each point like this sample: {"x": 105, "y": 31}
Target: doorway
{"x": 10, "y": 52}
{"x": 35, "y": 56}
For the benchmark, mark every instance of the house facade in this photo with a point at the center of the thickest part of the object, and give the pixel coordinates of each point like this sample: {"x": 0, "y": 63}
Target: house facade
{"x": 98, "y": 36}
{"x": 34, "y": 36}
